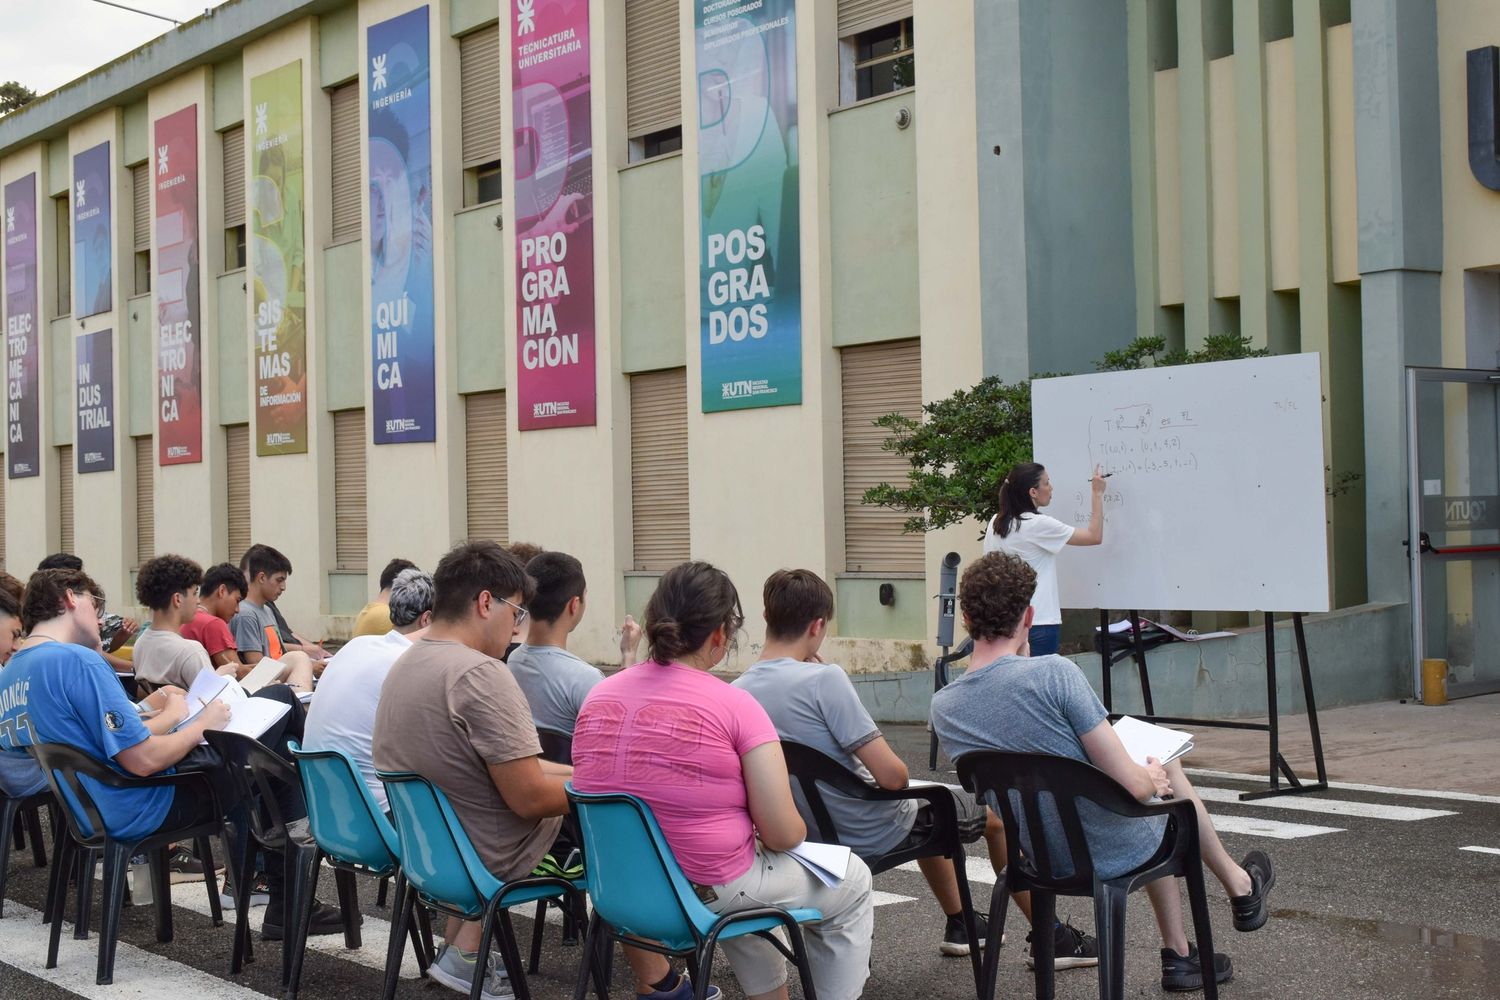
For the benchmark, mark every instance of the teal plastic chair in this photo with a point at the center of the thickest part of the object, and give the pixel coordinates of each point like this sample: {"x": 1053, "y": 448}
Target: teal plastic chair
{"x": 642, "y": 898}
{"x": 440, "y": 863}
{"x": 352, "y": 833}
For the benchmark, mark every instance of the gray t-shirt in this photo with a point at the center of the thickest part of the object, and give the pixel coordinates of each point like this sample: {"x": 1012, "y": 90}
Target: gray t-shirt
{"x": 815, "y": 704}
{"x": 249, "y": 627}
{"x": 1042, "y": 704}
{"x": 555, "y": 682}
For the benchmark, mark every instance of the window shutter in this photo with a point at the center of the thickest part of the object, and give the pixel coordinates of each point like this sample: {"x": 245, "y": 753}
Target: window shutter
{"x": 486, "y": 472}
{"x": 344, "y": 125}
{"x": 65, "y": 497}
{"x": 479, "y": 95}
{"x": 862, "y": 15}
{"x": 237, "y": 467}
{"x": 878, "y": 379}
{"x": 653, "y": 67}
{"x": 659, "y": 468}
{"x": 145, "y": 499}
{"x": 350, "y": 526}
{"x": 140, "y": 192}
{"x": 233, "y": 140}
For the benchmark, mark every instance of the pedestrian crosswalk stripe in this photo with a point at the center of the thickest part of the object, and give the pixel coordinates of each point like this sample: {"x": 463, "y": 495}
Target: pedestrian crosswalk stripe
{"x": 878, "y": 898}
{"x": 1335, "y": 807}
{"x": 978, "y": 870}
{"x": 1354, "y": 786}
{"x": 1482, "y": 850}
{"x": 1275, "y": 829}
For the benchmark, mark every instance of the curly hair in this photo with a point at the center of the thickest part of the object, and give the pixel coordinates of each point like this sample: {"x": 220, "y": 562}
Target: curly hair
{"x": 164, "y": 576}
{"x": 994, "y": 594}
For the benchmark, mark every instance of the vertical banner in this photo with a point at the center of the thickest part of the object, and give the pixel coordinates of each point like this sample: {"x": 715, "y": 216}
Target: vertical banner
{"x": 750, "y": 261}
{"x": 278, "y": 256}
{"x": 555, "y": 379}
{"x": 400, "y": 171}
{"x": 22, "y": 373}
{"x": 95, "y": 446}
{"x": 179, "y": 363}
{"x": 92, "y": 260}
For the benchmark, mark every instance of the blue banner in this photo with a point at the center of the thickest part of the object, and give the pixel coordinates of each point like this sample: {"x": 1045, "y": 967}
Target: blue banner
{"x": 95, "y": 446}
{"x": 92, "y": 269}
{"x": 400, "y": 170}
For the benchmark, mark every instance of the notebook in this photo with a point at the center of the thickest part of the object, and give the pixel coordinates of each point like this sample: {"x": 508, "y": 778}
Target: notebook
{"x": 829, "y": 863}
{"x": 1143, "y": 739}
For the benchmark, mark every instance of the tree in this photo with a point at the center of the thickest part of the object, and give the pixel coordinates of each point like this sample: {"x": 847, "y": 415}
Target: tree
{"x": 14, "y": 96}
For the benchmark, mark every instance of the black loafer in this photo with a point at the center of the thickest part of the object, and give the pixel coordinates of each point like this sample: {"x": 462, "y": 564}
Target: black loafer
{"x": 1180, "y": 973}
{"x": 325, "y": 920}
{"x": 1251, "y": 909}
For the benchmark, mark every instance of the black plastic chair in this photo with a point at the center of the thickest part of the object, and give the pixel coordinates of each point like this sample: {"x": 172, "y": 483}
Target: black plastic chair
{"x": 267, "y": 776}
{"x": 557, "y": 747}
{"x": 24, "y": 814}
{"x": 1041, "y": 780}
{"x": 63, "y": 766}
{"x": 812, "y": 770}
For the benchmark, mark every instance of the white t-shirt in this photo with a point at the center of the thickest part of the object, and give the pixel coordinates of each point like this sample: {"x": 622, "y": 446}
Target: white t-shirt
{"x": 341, "y": 715}
{"x": 1037, "y": 539}
{"x": 163, "y": 657}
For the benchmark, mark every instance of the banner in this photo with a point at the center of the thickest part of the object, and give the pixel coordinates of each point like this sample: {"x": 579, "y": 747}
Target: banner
{"x": 750, "y": 261}
{"x": 95, "y": 444}
{"x": 555, "y": 380}
{"x": 22, "y": 338}
{"x": 278, "y": 261}
{"x": 92, "y": 267}
{"x": 179, "y": 360}
{"x": 400, "y": 170}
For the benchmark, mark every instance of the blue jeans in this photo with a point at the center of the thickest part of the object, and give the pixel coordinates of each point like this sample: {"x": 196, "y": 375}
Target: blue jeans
{"x": 1044, "y": 639}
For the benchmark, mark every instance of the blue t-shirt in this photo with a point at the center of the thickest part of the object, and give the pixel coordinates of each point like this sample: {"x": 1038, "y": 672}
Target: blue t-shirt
{"x": 1042, "y": 704}
{"x": 56, "y": 692}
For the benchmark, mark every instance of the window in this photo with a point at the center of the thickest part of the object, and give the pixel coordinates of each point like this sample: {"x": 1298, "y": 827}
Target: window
{"x": 479, "y": 114}
{"x": 350, "y": 519}
{"x": 486, "y": 468}
{"x": 486, "y": 183}
{"x": 343, "y": 120}
{"x": 237, "y": 489}
{"x": 884, "y": 60}
{"x": 668, "y": 140}
{"x": 653, "y": 77}
{"x": 877, "y": 379}
{"x": 234, "y": 248}
{"x": 659, "y": 469}
{"x": 233, "y": 143}
{"x": 145, "y": 499}
{"x": 140, "y": 194}
{"x": 62, "y": 218}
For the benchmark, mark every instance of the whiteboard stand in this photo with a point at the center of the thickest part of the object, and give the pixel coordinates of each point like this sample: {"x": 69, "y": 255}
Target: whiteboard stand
{"x": 1277, "y": 764}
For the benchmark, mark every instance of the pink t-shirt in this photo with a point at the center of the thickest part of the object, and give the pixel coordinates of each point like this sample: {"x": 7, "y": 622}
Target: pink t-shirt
{"x": 673, "y": 736}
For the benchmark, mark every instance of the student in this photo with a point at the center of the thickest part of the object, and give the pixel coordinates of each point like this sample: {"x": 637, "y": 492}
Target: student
{"x": 375, "y": 618}
{"x": 451, "y": 712}
{"x": 1010, "y": 700}
{"x": 813, "y": 703}
{"x": 168, "y": 587}
{"x": 1020, "y": 529}
{"x": 707, "y": 760}
{"x": 290, "y": 641}
{"x": 342, "y": 716}
{"x": 254, "y": 627}
{"x": 554, "y": 681}
{"x": 128, "y": 626}
{"x": 19, "y": 774}
{"x": 219, "y": 597}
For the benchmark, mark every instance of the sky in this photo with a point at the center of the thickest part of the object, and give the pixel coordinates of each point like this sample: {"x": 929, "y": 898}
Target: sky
{"x": 47, "y": 43}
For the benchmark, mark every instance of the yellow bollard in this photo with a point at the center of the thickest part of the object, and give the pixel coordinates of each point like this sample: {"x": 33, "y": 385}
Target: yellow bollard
{"x": 1434, "y": 682}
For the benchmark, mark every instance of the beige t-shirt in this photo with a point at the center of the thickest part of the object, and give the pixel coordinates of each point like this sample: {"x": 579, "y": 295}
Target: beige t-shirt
{"x": 164, "y": 657}
{"x": 447, "y": 712}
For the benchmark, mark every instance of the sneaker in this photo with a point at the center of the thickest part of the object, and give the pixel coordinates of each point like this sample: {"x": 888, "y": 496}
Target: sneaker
{"x": 1071, "y": 948}
{"x": 325, "y": 920}
{"x": 455, "y": 970}
{"x": 1180, "y": 973}
{"x": 956, "y": 935}
{"x": 1251, "y": 909}
{"x": 682, "y": 991}
{"x": 260, "y": 892}
{"x": 183, "y": 866}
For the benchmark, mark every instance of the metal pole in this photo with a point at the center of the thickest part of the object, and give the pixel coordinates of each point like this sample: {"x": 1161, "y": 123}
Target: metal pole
{"x": 1271, "y": 708}
{"x": 1414, "y": 532}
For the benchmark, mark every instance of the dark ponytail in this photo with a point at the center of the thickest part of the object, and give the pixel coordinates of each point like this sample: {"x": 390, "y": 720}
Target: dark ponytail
{"x": 1015, "y": 495}
{"x": 691, "y": 600}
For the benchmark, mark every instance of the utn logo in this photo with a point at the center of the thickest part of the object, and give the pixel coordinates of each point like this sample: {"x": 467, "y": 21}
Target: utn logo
{"x": 161, "y": 160}
{"x": 10, "y": 220}
{"x": 82, "y": 196}
{"x": 737, "y": 389}
{"x": 377, "y": 72}
{"x": 525, "y": 17}
{"x": 262, "y": 119}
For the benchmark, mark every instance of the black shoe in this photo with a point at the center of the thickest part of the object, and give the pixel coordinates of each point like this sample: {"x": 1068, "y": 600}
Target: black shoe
{"x": 956, "y": 935}
{"x": 1071, "y": 948}
{"x": 325, "y": 920}
{"x": 1180, "y": 973}
{"x": 1251, "y": 910}
{"x": 183, "y": 866}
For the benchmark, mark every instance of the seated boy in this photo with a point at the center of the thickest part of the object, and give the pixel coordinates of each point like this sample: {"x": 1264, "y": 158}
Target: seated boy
{"x": 254, "y": 626}
{"x": 554, "y": 681}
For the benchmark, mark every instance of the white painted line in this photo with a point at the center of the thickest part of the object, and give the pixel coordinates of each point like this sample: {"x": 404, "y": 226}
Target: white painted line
{"x": 1420, "y": 793}
{"x": 23, "y": 945}
{"x": 1335, "y": 807}
{"x": 878, "y": 898}
{"x": 978, "y": 870}
{"x": 1276, "y": 830}
{"x": 1482, "y": 850}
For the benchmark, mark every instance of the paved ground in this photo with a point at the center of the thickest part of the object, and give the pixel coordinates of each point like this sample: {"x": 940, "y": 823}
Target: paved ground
{"x": 1377, "y": 897}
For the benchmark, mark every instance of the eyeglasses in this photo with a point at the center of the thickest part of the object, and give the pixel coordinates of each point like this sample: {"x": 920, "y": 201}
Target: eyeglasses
{"x": 521, "y": 612}
{"x": 98, "y": 602}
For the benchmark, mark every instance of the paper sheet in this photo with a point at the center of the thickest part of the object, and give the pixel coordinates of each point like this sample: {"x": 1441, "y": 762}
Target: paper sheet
{"x": 1143, "y": 739}
{"x": 828, "y": 862}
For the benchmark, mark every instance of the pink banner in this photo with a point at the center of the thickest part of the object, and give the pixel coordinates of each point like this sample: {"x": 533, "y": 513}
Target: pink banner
{"x": 555, "y": 380}
{"x": 179, "y": 364}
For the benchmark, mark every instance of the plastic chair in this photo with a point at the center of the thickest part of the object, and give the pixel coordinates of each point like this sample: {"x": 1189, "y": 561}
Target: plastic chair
{"x": 63, "y": 767}
{"x": 351, "y": 832}
{"x": 24, "y": 813}
{"x": 557, "y": 747}
{"x": 439, "y": 861}
{"x": 642, "y": 898}
{"x": 995, "y": 777}
{"x": 812, "y": 771}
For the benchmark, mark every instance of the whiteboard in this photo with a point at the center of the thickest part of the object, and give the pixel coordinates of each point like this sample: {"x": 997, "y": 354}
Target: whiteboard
{"x": 1216, "y": 499}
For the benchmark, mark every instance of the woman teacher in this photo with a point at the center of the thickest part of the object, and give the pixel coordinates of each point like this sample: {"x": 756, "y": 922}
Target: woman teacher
{"x": 1037, "y": 538}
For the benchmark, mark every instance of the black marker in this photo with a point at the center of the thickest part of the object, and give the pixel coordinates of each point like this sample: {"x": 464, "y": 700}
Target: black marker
{"x": 1104, "y": 476}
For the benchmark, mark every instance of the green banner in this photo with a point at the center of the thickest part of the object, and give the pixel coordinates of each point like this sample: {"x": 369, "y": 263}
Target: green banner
{"x": 278, "y": 262}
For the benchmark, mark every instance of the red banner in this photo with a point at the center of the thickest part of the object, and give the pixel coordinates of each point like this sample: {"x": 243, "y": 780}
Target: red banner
{"x": 179, "y": 367}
